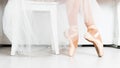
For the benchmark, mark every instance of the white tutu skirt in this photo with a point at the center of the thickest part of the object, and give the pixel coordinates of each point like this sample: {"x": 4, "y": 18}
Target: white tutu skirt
{"x": 14, "y": 19}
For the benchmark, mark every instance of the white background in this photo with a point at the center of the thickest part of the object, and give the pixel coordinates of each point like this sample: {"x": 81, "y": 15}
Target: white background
{"x": 42, "y": 19}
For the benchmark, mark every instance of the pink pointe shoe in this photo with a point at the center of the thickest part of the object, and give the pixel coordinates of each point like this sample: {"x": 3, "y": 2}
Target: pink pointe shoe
{"x": 95, "y": 40}
{"x": 72, "y": 36}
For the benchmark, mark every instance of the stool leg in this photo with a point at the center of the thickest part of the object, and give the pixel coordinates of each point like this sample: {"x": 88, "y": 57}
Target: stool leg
{"x": 54, "y": 29}
{"x": 13, "y": 49}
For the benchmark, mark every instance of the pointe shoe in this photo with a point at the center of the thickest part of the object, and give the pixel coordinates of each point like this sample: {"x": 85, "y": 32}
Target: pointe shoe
{"x": 72, "y": 36}
{"x": 97, "y": 43}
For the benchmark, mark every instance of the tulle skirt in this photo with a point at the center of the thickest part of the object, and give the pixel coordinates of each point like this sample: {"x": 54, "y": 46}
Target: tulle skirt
{"x": 19, "y": 30}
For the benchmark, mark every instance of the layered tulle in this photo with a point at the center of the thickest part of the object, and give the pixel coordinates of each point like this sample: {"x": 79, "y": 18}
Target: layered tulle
{"x": 17, "y": 22}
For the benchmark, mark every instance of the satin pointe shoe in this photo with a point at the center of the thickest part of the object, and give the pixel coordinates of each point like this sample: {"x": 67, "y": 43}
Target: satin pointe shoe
{"x": 72, "y": 36}
{"x": 95, "y": 39}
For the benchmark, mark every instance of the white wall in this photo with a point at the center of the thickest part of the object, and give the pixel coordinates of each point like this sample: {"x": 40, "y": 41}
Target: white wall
{"x": 42, "y": 19}
{"x": 117, "y": 24}
{"x": 0, "y": 21}
{"x": 3, "y": 39}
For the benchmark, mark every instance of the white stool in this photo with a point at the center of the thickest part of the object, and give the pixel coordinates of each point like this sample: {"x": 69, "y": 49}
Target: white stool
{"x": 44, "y": 6}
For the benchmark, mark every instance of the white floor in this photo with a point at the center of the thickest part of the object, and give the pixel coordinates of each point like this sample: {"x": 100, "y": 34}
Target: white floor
{"x": 85, "y": 57}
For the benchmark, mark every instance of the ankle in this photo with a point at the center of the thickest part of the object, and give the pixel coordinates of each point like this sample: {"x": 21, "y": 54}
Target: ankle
{"x": 92, "y": 31}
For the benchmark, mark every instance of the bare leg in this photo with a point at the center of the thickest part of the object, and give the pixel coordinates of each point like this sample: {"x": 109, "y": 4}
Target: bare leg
{"x": 93, "y": 34}
{"x": 72, "y": 33}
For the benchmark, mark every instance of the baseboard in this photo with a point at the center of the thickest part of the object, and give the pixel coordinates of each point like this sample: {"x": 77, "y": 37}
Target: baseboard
{"x": 5, "y": 45}
{"x": 90, "y": 45}
{"x": 85, "y": 45}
